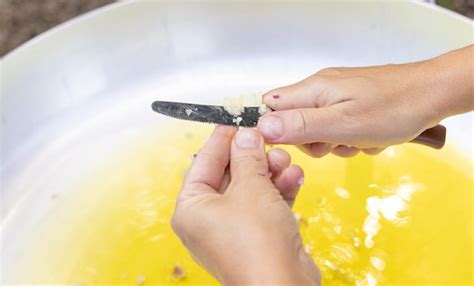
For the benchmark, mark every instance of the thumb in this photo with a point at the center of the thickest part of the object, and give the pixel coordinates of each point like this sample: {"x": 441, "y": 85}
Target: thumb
{"x": 306, "y": 125}
{"x": 248, "y": 160}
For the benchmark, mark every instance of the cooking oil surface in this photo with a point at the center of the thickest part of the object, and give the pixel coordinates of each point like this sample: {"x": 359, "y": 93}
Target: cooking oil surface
{"x": 402, "y": 217}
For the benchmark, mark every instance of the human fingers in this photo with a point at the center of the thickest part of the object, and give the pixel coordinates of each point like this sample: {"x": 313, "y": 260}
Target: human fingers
{"x": 278, "y": 160}
{"x": 306, "y": 125}
{"x": 289, "y": 183}
{"x": 248, "y": 160}
{"x": 345, "y": 151}
{"x": 316, "y": 150}
{"x": 373, "y": 151}
{"x": 208, "y": 167}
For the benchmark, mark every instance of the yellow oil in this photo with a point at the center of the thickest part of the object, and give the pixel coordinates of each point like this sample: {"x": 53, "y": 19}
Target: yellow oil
{"x": 402, "y": 217}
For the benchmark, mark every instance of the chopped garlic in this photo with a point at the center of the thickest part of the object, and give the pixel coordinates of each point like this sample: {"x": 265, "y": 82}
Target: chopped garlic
{"x": 237, "y": 120}
{"x": 234, "y": 105}
{"x": 263, "y": 109}
{"x": 188, "y": 111}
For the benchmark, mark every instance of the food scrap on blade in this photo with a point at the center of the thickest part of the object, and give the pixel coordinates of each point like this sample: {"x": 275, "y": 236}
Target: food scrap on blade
{"x": 237, "y": 120}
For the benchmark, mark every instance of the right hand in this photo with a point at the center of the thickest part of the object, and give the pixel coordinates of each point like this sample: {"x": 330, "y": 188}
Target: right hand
{"x": 241, "y": 228}
{"x": 344, "y": 110}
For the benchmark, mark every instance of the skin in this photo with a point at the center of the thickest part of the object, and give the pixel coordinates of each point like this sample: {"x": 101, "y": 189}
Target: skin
{"x": 234, "y": 210}
{"x": 242, "y": 230}
{"x": 345, "y": 110}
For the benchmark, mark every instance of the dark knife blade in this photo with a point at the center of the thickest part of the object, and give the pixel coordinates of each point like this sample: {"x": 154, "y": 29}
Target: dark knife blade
{"x": 207, "y": 113}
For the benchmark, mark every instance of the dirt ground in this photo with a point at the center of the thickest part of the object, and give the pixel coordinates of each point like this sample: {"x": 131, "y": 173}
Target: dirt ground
{"x": 21, "y": 20}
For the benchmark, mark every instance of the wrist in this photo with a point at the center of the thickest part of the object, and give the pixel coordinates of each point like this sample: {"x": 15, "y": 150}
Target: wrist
{"x": 265, "y": 269}
{"x": 269, "y": 276}
{"x": 451, "y": 82}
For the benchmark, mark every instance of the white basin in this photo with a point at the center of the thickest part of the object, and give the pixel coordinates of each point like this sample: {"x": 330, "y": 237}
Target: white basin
{"x": 70, "y": 92}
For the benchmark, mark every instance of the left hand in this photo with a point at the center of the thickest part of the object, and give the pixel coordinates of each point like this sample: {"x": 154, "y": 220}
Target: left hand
{"x": 235, "y": 217}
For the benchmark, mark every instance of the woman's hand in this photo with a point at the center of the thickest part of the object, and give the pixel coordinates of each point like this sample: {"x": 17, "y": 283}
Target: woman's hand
{"x": 234, "y": 212}
{"x": 344, "y": 110}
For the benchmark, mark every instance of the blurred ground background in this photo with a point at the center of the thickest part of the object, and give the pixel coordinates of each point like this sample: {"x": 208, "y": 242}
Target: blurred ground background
{"x": 21, "y": 20}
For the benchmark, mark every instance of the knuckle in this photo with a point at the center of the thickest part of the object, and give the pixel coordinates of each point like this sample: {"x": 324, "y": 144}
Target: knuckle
{"x": 278, "y": 158}
{"x": 249, "y": 164}
{"x": 246, "y": 160}
{"x": 319, "y": 153}
{"x": 345, "y": 152}
{"x": 318, "y": 82}
{"x": 319, "y": 150}
{"x": 357, "y": 126}
{"x": 329, "y": 71}
{"x": 350, "y": 119}
{"x": 213, "y": 158}
{"x": 299, "y": 122}
{"x": 303, "y": 122}
{"x": 316, "y": 155}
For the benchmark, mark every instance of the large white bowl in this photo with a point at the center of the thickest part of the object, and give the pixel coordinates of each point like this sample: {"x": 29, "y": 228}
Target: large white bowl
{"x": 68, "y": 93}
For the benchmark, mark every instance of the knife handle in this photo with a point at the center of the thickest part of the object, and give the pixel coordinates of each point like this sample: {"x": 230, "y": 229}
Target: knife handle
{"x": 434, "y": 137}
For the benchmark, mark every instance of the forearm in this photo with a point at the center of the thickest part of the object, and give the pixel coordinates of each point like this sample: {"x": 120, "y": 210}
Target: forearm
{"x": 274, "y": 268}
{"x": 453, "y": 81}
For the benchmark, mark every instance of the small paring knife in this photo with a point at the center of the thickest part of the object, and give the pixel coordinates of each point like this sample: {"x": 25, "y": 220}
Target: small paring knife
{"x": 434, "y": 137}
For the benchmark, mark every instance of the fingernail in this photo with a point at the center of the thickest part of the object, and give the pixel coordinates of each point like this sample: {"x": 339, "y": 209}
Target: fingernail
{"x": 247, "y": 138}
{"x": 270, "y": 127}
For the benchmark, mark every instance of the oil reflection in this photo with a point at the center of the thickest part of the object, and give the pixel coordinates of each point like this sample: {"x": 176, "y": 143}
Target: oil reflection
{"x": 353, "y": 256}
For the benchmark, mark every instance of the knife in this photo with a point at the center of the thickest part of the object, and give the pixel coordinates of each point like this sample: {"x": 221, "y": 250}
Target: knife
{"x": 434, "y": 137}
{"x": 208, "y": 113}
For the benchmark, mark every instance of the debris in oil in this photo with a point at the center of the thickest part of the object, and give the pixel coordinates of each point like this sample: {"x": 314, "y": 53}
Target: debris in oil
{"x": 178, "y": 273}
{"x": 309, "y": 247}
{"x": 300, "y": 219}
